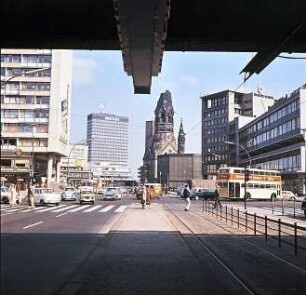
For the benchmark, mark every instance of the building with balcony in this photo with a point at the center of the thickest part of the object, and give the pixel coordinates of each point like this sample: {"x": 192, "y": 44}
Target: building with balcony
{"x": 35, "y": 113}
{"x": 276, "y": 140}
{"x": 218, "y": 109}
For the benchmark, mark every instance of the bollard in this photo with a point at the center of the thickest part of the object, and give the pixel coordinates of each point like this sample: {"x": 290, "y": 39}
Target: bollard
{"x": 294, "y": 208}
{"x": 295, "y": 238}
{"x": 283, "y": 207}
{"x": 272, "y": 205}
{"x": 232, "y": 215}
{"x": 266, "y": 228}
{"x": 226, "y": 213}
{"x": 238, "y": 217}
{"x": 246, "y": 221}
{"x": 255, "y": 224}
{"x": 279, "y": 233}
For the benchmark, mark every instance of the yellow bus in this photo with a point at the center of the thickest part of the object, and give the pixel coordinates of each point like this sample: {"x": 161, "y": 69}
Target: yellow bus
{"x": 154, "y": 189}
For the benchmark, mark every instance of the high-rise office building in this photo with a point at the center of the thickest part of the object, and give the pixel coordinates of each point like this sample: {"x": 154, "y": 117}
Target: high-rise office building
{"x": 107, "y": 139}
{"x": 218, "y": 109}
{"x": 35, "y": 112}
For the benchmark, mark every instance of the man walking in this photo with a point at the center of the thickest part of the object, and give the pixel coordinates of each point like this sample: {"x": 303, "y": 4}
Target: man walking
{"x": 217, "y": 197}
{"x": 186, "y": 195}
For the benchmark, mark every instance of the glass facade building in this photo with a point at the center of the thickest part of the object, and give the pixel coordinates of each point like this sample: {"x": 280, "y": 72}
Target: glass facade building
{"x": 276, "y": 140}
{"x": 107, "y": 139}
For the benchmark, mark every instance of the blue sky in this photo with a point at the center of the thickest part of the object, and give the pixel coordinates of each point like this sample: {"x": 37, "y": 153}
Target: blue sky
{"x": 100, "y": 83}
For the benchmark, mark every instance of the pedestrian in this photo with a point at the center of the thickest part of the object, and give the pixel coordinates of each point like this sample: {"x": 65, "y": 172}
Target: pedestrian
{"x": 31, "y": 197}
{"x": 144, "y": 196}
{"x": 149, "y": 195}
{"x": 13, "y": 195}
{"x": 217, "y": 197}
{"x": 186, "y": 195}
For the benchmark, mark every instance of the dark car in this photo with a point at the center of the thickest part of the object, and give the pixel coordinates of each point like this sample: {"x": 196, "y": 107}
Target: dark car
{"x": 206, "y": 193}
{"x": 303, "y": 207}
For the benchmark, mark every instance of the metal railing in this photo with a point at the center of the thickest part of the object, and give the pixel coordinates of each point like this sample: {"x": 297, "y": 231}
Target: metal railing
{"x": 283, "y": 232}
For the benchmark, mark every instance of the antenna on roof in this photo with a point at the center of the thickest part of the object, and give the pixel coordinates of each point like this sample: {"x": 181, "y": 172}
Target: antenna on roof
{"x": 261, "y": 90}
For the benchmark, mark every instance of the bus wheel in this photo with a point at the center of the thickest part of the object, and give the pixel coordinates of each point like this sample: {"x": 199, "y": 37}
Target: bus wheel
{"x": 248, "y": 196}
{"x": 273, "y": 197}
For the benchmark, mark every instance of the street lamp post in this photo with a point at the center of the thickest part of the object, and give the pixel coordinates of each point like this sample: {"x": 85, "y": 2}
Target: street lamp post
{"x": 33, "y": 141}
{"x": 245, "y": 170}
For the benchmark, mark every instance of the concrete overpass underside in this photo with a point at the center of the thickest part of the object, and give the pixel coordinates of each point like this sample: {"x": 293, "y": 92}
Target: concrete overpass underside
{"x": 144, "y": 29}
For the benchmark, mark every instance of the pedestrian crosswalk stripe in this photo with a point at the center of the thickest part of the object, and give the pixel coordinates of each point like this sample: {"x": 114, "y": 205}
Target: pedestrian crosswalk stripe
{"x": 31, "y": 209}
{"x": 120, "y": 209}
{"x": 93, "y": 208}
{"x": 65, "y": 208}
{"x": 81, "y": 207}
{"x": 11, "y": 210}
{"x": 49, "y": 209}
{"x": 107, "y": 208}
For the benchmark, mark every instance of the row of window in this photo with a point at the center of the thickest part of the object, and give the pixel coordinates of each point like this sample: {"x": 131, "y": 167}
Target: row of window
{"x": 215, "y": 102}
{"x": 38, "y": 86}
{"x": 214, "y": 122}
{"x": 275, "y": 132}
{"x": 210, "y": 140}
{"x": 215, "y": 113}
{"x": 25, "y": 71}
{"x": 38, "y": 113}
{"x": 277, "y": 115}
{"x": 290, "y": 163}
{"x": 25, "y": 127}
{"x": 26, "y": 58}
{"x": 25, "y": 100}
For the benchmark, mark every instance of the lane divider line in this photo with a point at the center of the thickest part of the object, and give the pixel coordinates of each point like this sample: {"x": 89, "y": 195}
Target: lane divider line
{"x": 34, "y": 224}
{"x": 62, "y": 214}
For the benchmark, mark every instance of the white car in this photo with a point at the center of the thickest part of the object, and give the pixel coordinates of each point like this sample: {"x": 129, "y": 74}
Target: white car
{"x": 288, "y": 195}
{"x": 5, "y": 195}
{"x": 44, "y": 196}
{"x": 112, "y": 193}
{"x": 69, "y": 193}
{"x": 86, "y": 195}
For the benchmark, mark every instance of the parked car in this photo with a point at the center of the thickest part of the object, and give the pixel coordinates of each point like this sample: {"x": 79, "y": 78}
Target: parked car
{"x": 303, "y": 207}
{"x": 69, "y": 193}
{"x": 206, "y": 193}
{"x": 112, "y": 193}
{"x": 44, "y": 196}
{"x": 5, "y": 195}
{"x": 87, "y": 195}
{"x": 288, "y": 195}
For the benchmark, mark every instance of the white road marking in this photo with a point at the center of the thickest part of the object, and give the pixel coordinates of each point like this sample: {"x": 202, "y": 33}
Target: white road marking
{"x": 31, "y": 209}
{"x": 120, "y": 209}
{"x": 81, "y": 207}
{"x": 34, "y": 224}
{"x": 11, "y": 210}
{"x": 52, "y": 208}
{"x": 61, "y": 214}
{"x": 6, "y": 213}
{"x": 93, "y": 208}
{"x": 63, "y": 209}
{"x": 107, "y": 208}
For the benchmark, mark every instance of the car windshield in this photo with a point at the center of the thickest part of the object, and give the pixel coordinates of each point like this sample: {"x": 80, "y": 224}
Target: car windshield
{"x": 111, "y": 189}
{"x": 69, "y": 189}
{"x": 46, "y": 191}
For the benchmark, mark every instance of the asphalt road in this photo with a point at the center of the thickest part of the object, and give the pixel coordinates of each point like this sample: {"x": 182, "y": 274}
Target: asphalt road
{"x": 115, "y": 247}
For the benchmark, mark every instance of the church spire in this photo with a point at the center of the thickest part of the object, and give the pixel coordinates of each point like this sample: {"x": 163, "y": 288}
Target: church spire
{"x": 181, "y": 139}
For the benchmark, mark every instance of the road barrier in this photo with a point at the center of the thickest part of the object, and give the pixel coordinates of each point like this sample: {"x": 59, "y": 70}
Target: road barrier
{"x": 283, "y": 232}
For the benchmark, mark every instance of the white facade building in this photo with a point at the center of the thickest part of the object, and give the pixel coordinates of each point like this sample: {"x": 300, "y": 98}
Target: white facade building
{"x": 35, "y": 112}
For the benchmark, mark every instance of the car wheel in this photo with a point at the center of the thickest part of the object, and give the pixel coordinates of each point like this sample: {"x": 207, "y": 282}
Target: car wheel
{"x": 57, "y": 204}
{"x": 42, "y": 203}
{"x": 92, "y": 202}
{"x": 248, "y": 196}
{"x": 5, "y": 200}
{"x": 81, "y": 202}
{"x": 305, "y": 213}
